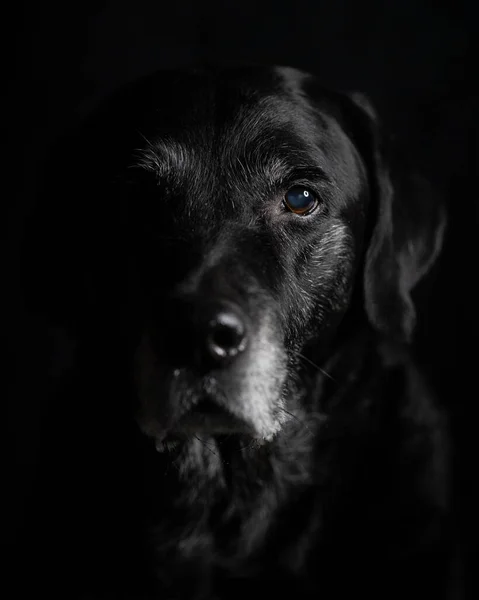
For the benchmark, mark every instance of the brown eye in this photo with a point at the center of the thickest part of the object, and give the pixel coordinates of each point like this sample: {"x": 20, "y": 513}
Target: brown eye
{"x": 300, "y": 200}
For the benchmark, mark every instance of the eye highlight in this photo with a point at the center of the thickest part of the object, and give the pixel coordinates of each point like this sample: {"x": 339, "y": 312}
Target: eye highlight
{"x": 300, "y": 200}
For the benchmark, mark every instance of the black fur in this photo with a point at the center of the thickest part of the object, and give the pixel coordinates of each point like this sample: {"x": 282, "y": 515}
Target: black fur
{"x": 171, "y": 199}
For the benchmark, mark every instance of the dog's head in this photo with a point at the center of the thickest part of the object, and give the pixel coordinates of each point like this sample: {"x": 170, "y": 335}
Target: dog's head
{"x": 255, "y": 203}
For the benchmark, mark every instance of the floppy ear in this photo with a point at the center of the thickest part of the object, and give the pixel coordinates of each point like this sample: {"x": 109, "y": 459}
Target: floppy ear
{"x": 406, "y": 234}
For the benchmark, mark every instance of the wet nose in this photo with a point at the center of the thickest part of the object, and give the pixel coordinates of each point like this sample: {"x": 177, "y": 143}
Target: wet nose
{"x": 225, "y": 335}
{"x": 210, "y": 334}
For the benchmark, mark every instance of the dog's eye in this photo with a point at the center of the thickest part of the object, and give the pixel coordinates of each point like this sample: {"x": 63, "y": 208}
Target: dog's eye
{"x": 300, "y": 200}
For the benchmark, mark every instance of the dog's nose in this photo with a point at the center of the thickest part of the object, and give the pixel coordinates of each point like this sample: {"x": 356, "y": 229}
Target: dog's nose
{"x": 202, "y": 332}
{"x": 225, "y": 335}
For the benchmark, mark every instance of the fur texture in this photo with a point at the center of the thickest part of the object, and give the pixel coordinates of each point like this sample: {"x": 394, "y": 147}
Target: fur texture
{"x": 328, "y": 474}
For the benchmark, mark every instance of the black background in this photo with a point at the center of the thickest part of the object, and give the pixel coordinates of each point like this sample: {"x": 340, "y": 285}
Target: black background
{"x": 413, "y": 58}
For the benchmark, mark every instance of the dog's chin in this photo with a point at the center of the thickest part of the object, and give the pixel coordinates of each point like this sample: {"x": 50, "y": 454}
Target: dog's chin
{"x": 204, "y": 421}
{"x": 210, "y": 408}
{"x": 200, "y": 423}
{"x": 174, "y": 439}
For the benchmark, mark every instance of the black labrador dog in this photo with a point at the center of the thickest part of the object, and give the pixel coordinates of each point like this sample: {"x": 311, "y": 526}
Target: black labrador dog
{"x": 236, "y": 250}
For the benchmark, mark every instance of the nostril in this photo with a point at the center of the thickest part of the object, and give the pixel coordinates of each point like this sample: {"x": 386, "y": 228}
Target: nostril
{"x": 223, "y": 336}
{"x": 226, "y": 335}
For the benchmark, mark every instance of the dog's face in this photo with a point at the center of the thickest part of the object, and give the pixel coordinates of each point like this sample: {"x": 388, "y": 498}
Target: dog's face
{"x": 251, "y": 202}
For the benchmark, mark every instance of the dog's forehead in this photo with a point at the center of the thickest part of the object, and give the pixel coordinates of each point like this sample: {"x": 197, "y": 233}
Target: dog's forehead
{"x": 241, "y": 116}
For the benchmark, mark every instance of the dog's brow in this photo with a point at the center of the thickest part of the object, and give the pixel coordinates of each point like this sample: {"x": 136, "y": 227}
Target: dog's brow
{"x": 307, "y": 172}
{"x": 289, "y": 168}
{"x": 163, "y": 157}
{"x": 280, "y": 155}
{"x": 278, "y": 163}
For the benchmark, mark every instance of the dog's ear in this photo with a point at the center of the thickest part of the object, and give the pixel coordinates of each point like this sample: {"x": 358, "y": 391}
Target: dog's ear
{"x": 406, "y": 229}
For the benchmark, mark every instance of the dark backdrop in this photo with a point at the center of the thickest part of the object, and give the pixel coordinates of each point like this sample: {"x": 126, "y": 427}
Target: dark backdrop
{"x": 413, "y": 58}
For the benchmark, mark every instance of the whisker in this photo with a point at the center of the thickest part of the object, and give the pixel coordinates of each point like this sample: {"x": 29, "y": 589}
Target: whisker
{"x": 205, "y": 445}
{"x": 150, "y": 144}
{"x": 300, "y": 421}
{"x": 316, "y": 366}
